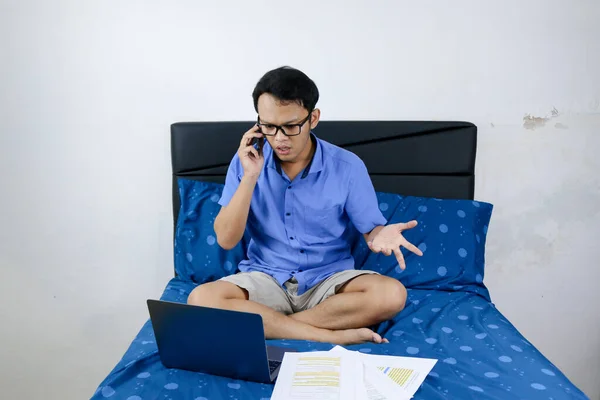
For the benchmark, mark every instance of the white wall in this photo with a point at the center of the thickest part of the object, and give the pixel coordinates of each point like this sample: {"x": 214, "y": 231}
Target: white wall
{"x": 88, "y": 90}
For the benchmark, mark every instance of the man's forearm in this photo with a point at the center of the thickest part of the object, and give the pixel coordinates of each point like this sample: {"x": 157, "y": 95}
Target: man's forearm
{"x": 230, "y": 224}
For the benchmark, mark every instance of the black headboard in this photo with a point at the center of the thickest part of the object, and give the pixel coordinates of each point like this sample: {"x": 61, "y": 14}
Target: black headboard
{"x": 430, "y": 159}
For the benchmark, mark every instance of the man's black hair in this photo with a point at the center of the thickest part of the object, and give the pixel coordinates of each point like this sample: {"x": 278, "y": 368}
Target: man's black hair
{"x": 287, "y": 84}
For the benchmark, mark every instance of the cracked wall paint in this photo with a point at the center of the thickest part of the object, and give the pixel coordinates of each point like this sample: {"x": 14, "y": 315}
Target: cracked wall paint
{"x": 542, "y": 253}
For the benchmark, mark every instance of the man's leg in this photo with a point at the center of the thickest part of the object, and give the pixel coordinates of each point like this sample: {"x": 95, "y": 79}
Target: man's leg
{"x": 226, "y": 295}
{"x": 364, "y": 300}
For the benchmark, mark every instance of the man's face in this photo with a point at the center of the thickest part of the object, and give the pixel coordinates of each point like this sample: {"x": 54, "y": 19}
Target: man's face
{"x": 287, "y": 148}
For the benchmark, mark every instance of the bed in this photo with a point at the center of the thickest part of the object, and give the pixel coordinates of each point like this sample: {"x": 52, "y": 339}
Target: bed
{"x": 421, "y": 170}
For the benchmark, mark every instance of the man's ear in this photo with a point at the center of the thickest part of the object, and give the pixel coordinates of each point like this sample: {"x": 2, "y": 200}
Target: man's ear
{"x": 314, "y": 118}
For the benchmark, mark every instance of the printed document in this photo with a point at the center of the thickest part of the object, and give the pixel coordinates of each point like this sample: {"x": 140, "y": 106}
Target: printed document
{"x": 340, "y": 374}
{"x": 407, "y": 373}
{"x": 317, "y": 375}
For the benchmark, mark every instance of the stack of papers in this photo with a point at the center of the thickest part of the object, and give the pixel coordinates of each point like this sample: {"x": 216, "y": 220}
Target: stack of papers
{"x": 343, "y": 374}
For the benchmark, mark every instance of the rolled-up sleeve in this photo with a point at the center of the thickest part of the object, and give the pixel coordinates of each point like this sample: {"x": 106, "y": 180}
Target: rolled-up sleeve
{"x": 362, "y": 206}
{"x": 232, "y": 181}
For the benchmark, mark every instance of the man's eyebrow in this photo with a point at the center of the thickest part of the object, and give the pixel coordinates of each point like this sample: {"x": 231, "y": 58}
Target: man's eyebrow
{"x": 294, "y": 120}
{"x": 285, "y": 123}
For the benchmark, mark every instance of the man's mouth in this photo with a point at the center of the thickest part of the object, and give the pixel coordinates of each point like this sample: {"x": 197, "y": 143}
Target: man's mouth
{"x": 283, "y": 150}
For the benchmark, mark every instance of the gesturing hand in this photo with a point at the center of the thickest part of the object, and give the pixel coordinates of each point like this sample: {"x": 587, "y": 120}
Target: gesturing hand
{"x": 389, "y": 239}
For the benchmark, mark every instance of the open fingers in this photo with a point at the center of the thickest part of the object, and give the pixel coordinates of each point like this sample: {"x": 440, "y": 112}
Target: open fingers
{"x": 408, "y": 225}
{"x": 411, "y": 247}
{"x": 400, "y": 258}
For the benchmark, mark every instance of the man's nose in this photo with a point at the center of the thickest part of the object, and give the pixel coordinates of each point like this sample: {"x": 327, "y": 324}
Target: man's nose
{"x": 280, "y": 136}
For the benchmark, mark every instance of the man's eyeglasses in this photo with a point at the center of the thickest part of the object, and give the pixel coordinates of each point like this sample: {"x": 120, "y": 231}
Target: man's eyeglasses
{"x": 287, "y": 130}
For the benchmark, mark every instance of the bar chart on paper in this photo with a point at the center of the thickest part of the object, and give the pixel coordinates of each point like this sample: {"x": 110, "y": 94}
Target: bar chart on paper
{"x": 399, "y": 375}
{"x": 406, "y": 372}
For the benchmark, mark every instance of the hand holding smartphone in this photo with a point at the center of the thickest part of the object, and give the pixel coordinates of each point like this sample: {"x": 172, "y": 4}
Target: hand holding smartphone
{"x": 251, "y": 150}
{"x": 259, "y": 143}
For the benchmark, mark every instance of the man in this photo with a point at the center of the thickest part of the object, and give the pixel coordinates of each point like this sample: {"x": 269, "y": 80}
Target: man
{"x": 299, "y": 198}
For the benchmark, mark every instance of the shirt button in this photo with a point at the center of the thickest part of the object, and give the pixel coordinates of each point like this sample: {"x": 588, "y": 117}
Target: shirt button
{"x": 291, "y": 238}
{"x": 301, "y": 251}
{"x": 289, "y": 187}
{"x": 288, "y": 214}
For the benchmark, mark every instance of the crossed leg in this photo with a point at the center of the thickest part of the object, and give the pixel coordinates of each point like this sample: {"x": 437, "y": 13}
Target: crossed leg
{"x": 363, "y": 301}
{"x": 341, "y": 319}
{"x": 226, "y": 295}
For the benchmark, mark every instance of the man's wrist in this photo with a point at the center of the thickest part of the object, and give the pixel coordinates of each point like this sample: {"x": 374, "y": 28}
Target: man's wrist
{"x": 249, "y": 179}
{"x": 374, "y": 233}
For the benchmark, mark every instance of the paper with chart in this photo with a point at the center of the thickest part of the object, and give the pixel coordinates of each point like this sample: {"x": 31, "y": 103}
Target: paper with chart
{"x": 322, "y": 375}
{"x": 376, "y": 386}
{"x": 408, "y": 373}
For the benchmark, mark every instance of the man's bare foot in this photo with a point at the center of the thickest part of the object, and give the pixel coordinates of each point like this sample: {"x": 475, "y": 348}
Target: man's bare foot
{"x": 357, "y": 336}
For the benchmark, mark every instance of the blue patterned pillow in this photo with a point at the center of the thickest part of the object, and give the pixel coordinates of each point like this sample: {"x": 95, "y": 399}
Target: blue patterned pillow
{"x": 451, "y": 234}
{"x": 198, "y": 256}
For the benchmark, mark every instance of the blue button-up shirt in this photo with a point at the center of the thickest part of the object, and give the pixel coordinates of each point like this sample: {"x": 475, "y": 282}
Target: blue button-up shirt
{"x": 302, "y": 228}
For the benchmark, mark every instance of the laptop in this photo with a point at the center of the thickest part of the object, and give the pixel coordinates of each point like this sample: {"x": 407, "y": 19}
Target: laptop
{"x": 214, "y": 341}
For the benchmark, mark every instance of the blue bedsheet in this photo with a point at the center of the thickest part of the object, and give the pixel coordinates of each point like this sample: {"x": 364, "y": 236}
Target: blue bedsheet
{"x": 481, "y": 356}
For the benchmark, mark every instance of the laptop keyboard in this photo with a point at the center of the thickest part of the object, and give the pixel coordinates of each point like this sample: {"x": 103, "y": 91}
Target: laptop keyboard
{"x": 273, "y": 365}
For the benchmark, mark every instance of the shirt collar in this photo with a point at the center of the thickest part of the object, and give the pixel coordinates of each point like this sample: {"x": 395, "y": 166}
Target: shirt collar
{"x": 314, "y": 165}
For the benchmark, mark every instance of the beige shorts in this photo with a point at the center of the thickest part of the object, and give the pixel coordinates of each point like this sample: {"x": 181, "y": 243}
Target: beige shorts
{"x": 264, "y": 289}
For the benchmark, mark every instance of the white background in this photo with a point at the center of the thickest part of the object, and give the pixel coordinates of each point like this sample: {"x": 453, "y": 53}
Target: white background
{"x": 88, "y": 90}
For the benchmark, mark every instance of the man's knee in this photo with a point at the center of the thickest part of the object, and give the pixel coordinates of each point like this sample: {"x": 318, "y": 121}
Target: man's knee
{"x": 397, "y": 295}
{"x": 200, "y": 295}
{"x": 213, "y": 294}
{"x": 390, "y": 297}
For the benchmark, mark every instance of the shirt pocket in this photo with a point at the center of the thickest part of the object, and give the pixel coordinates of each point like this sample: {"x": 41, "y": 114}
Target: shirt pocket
{"x": 322, "y": 225}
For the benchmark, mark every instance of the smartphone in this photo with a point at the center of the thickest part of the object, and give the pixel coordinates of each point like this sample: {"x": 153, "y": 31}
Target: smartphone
{"x": 258, "y": 143}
